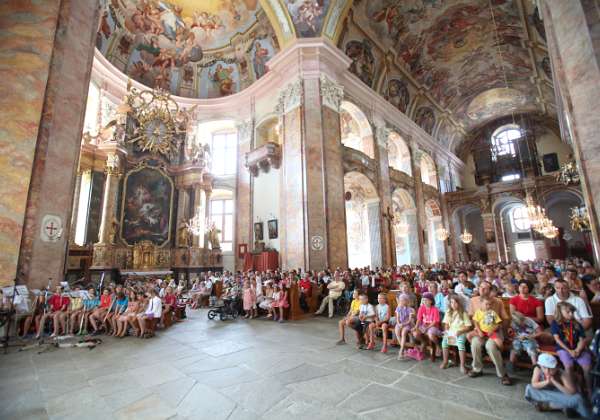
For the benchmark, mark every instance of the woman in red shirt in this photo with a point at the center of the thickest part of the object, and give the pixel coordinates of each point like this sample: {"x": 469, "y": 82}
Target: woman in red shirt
{"x": 526, "y": 304}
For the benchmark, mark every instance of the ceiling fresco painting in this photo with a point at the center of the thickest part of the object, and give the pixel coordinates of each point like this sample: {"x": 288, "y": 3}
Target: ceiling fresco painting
{"x": 308, "y": 16}
{"x": 456, "y": 54}
{"x": 191, "y": 48}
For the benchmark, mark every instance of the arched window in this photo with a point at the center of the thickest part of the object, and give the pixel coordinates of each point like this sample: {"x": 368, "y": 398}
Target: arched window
{"x": 520, "y": 219}
{"x": 224, "y": 153}
{"x": 503, "y": 141}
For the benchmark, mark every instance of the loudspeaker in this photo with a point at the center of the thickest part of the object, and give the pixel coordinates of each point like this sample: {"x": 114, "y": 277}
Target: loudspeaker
{"x": 550, "y": 162}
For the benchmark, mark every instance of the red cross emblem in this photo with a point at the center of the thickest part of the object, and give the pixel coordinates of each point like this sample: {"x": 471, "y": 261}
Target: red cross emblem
{"x": 51, "y": 228}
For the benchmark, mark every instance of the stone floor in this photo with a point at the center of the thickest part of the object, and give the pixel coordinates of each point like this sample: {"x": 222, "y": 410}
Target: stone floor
{"x": 202, "y": 369}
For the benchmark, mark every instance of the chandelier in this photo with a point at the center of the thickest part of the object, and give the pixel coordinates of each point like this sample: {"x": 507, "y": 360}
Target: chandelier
{"x": 442, "y": 234}
{"x": 548, "y": 229}
{"x": 580, "y": 219}
{"x": 466, "y": 237}
{"x": 568, "y": 173}
{"x": 536, "y": 214}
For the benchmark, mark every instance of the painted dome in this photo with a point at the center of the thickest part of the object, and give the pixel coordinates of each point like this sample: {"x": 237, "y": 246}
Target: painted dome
{"x": 192, "y": 48}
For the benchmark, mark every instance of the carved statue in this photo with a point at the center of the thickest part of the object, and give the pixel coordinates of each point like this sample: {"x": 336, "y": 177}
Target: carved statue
{"x": 112, "y": 231}
{"x": 183, "y": 235}
{"x": 213, "y": 237}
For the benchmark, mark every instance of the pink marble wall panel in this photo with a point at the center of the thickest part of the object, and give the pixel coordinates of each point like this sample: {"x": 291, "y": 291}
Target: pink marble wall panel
{"x": 315, "y": 189}
{"x": 337, "y": 244}
{"x": 27, "y": 35}
{"x": 293, "y": 243}
{"x": 59, "y": 139}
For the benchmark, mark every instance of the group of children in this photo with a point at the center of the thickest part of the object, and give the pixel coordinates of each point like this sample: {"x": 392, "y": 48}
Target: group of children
{"x": 117, "y": 311}
{"x": 427, "y": 327}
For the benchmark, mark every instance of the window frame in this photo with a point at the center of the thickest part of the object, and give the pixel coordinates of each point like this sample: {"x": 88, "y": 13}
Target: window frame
{"x": 516, "y": 222}
{"x": 229, "y": 153}
{"x": 502, "y": 144}
{"x": 220, "y": 221}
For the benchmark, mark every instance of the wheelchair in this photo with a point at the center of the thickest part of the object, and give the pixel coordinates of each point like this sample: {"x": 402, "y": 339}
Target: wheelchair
{"x": 230, "y": 309}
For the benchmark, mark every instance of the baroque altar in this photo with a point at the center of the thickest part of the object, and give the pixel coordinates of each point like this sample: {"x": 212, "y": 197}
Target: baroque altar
{"x": 156, "y": 179}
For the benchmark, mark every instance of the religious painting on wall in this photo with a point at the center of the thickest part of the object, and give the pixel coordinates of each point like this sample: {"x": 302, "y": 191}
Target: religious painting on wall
{"x": 272, "y": 227}
{"x": 397, "y": 94}
{"x": 308, "y": 16}
{"x": 258, "y": 231}
{"x": 425, "y": 118}
{"x": 147, "y": 204}
{"x": 220, "y": 79}
{"x": 363, "y": 61}
{"x": 261, "y": 52}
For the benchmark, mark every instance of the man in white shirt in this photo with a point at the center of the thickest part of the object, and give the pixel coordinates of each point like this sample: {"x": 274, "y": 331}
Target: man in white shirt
{"x": 563, "y": 294}
{"x": 336, "y": 288}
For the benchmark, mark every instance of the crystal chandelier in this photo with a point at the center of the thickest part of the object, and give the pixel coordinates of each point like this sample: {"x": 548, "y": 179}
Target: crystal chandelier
{"x": 548, "y": 229}
{"x": 466, "y": 237}
{"x": 568, "y": 173}
{"x": 535, "y": 213}
{"x": 442, "y": 234}
{"x": 580, "y": 219}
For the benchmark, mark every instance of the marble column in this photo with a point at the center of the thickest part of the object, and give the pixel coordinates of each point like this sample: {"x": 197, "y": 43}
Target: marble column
{"x": 207, "y": 194}
{"x": 419, "y": 198}
{"x": 374, "y": 219}
{"x": 574, "y": 48}
{"x": 489, "y": 232}
{"x": 313, "y": 230}
{"x": 243, "y": 191}
{"x": 439, "y": 246}
{"x": 49, "y": 51}
{"x": 388, "y": 253}
{"x": 109, "y": 201}
{"x": 75, "y": 208}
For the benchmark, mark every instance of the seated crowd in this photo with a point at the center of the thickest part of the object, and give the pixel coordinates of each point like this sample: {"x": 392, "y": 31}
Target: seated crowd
{"x": 539, "y": 313}
{"x": 135, "y": 309}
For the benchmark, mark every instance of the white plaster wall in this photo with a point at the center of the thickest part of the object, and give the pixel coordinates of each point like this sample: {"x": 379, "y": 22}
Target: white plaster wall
{"x": 550, "y": 143}
{"x": 265, "y": 203}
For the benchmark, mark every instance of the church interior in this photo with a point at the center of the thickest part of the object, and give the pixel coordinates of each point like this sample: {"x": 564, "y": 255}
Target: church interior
{"x": 183, "y": 172}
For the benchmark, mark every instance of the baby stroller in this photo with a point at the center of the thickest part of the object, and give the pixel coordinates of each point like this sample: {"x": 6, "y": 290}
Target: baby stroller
{"x": 229, "y": 309}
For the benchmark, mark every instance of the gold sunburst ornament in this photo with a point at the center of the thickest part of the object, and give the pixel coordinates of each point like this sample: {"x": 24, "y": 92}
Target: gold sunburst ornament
{"x": 160, "y": 121}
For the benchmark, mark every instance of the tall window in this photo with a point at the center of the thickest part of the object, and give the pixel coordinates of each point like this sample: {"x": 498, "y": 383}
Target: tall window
{"x": 503, "y": 142}
{"x": 224, "y": 153}
{"x": 221, "y": 213}
{"x": 520, "y": 219}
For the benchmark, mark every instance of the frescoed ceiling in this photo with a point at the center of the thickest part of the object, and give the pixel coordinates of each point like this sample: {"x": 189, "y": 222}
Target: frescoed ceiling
{"x": 472, "y": 60}
{"x": 192, "y": 48}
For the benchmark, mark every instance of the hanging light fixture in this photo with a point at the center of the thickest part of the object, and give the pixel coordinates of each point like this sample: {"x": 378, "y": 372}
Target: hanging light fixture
{"x": 535, "y": 213}
{"x": 466, "y": 237}
{"x": 568, "y": 173}
{"x": 442, "y": 234}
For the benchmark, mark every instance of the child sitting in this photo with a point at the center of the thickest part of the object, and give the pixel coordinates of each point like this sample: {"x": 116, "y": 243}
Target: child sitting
{"x": 366, "y": 315}
{"x": 280, "y": 300}
{"x": 351, "y": 316}
{"x": 382, "y": 319}
{"x": 487, "y": 323}
{"x": 405, "y": 320}
{"x": 427, "y": 329}
{"x": 552, "y": 389}
{"x": 571, "y": 343}
{"x": 456, "y": 324}
{"x": 526, "y": 331}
